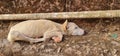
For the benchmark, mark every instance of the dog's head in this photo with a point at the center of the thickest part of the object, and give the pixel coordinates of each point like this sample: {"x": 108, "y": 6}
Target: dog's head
{"x": 72, "y": 28}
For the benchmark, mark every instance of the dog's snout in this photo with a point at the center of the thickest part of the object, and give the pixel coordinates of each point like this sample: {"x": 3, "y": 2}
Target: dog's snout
{"x": 82, "y": 32}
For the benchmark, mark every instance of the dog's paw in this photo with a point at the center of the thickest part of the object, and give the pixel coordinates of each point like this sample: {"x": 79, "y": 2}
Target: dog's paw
{"x": 56, "y": 39}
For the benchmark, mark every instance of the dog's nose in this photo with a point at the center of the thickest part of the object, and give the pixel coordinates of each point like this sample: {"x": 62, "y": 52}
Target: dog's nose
{"x": 82, "y": 32}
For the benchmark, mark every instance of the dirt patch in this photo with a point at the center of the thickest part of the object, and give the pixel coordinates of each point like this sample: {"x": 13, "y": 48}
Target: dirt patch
{"x": 101, "y": 39}
{"x": 90, "y": 5}
{"x": 96, "y": 42}
{"x": 31, "y": 6}
{"x": 39, "y": 6}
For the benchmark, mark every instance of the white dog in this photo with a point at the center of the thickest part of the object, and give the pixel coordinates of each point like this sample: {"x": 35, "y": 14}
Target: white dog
{"x": 48, "y": 29}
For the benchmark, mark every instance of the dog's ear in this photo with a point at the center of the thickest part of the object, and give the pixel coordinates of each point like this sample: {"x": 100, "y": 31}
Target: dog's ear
{"x": 64, "y": 25}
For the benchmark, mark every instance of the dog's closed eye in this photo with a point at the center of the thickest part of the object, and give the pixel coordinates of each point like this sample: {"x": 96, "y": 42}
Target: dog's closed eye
{"x": 76, "y": 28}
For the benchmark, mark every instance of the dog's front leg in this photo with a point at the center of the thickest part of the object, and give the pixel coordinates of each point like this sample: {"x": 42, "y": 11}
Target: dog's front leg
{"x": 55, "y": 35}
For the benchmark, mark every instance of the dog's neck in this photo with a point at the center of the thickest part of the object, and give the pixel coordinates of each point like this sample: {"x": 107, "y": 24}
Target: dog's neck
{"x": 64, "y": 31}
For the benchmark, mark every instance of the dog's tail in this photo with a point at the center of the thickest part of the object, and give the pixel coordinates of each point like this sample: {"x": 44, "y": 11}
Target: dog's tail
{"x": 15, "y": 35}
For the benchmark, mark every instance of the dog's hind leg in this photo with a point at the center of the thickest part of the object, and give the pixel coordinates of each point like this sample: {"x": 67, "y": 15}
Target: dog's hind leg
{"x": 15, "y": 35}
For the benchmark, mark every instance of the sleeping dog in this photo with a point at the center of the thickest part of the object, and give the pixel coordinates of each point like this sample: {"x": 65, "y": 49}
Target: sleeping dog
{"x": 25, "y": 30}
